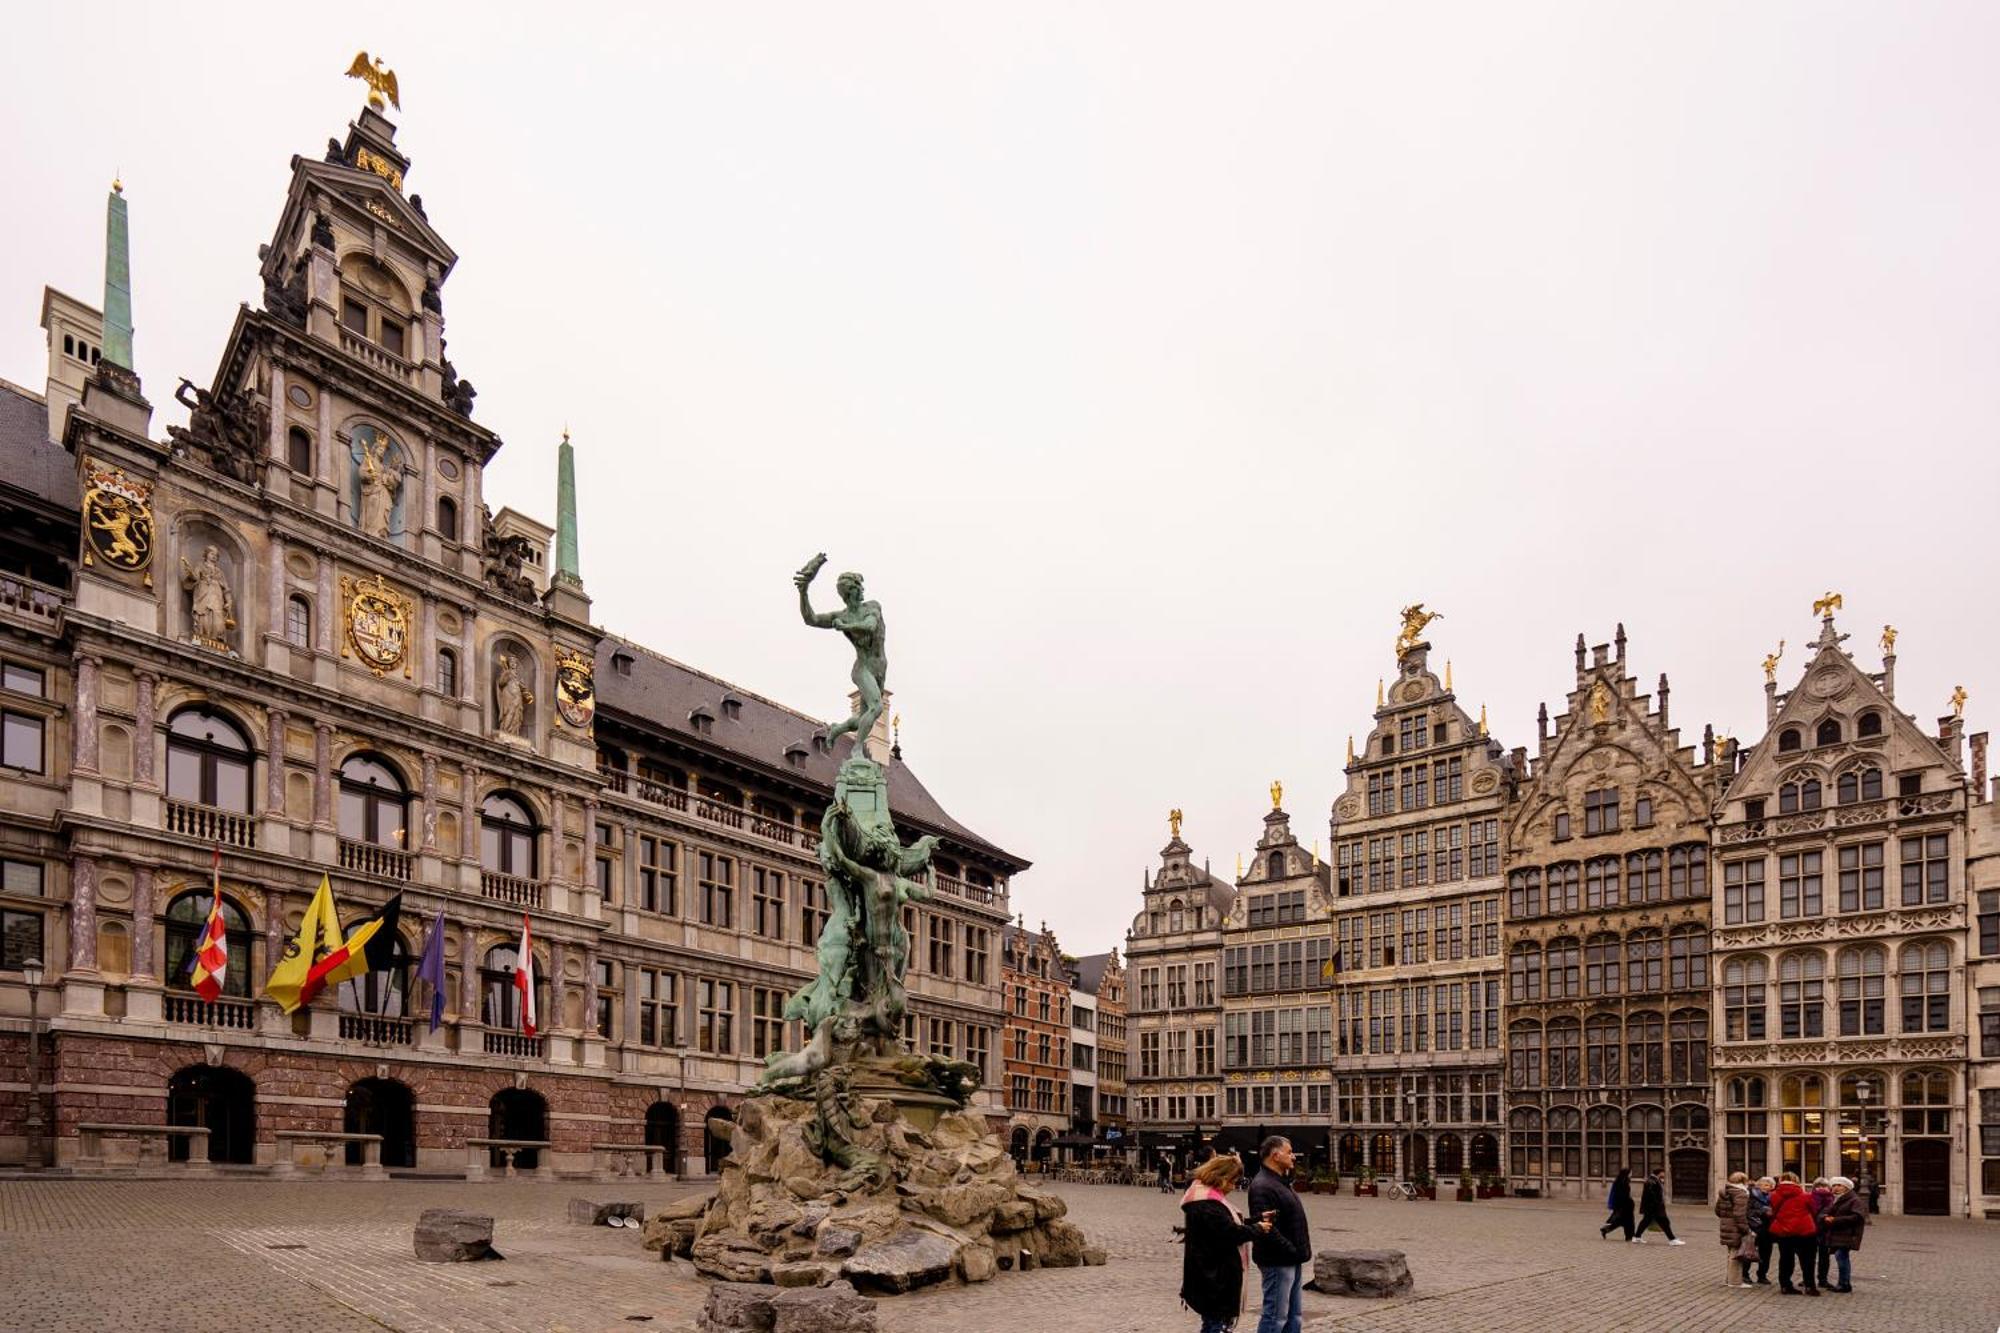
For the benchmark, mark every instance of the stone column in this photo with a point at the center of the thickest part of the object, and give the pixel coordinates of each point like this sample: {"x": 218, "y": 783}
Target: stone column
{"x": 471, "y": 675}
{"x": 323, "y": 633}
{"x": 468, "y": 975}
{"x": 142, "y": 922}
{"x": 590, "y": 990}
{"x": 468, "y": 814}
{"x": 143, "y": 723}
{"x": 274, "y": 763}
{"x": 430, "y": 782}
{"x": 277, "y": 412}
{"x": 427, "y": 644}
{"x": 323, "y": 774}
{"x": 328, "y": 446}
{"x": 274, "y": 597}
{"x": 558, "y": 955}
{"x": 555, "y": 871}
{"x": 83, "y": 914}
{"x": 631, "y": 876}
{"x": 274, "y": 931}
{"x": 83, "y": 720}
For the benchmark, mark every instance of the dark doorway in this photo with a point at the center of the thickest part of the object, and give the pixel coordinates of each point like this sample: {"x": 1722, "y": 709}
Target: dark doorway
{"x": 1349, "y": 1159}
{"x": 1927, "y": 1177}
{"x": 1043, "y": 1141}
{"x": 1687, "y": 1173}
{"x": 223, "y": 1099}
{"x": 518, "y": 1114}
{"x": 717, "y": 1148}
{"x": 1485, "y": 1155}
{"x": 663, "y": 1130}
{"x": 382, "y": 1106}
{"x": 1017, "y": 1144}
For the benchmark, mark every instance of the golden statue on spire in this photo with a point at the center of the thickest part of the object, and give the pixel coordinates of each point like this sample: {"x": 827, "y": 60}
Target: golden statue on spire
{"x": 1771, "y": 663}
{"x": 1414, "y": 620}
{"x": 1277, "y": 794}
{"x": 1888, "y": 640}
{"x": 1827, "y": 605}
{"x": 379, "y": 80}
{"x": 1174, "y": 822}
{"x": 1958, "y": 698}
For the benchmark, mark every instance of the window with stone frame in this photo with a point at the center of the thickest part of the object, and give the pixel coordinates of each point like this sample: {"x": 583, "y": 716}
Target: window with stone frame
{"x": 1204, "y": 1052}
{"x": 1923, "y": 976}
{"x": 1746, "y": 1126}
{"x": 814, "y": 909}
{"x": 1989, "y": 922}
{"x": 1742, "y": 891}
{"x": 1744, "y": 999}
{"x": 1989, "y": 1022}
{"x": 1412, "y": 787}
{"x": 1861, "y": 871}
{"x": 1687, "y": 872}
{"x": 767, "y": 902}
{"x": 605, "y": 1020}
{"x": 21, "y": 940}
{"x": 1800, "y": 882}
{"x": 298, "y": 621}
{"x": 1524, "y": 972}
{"x": 659, "y": 880}
{"x": 1483, "y": 842}
{"x": 1989, "y": 1140}
{"x": 22, "y": 879}
{"x": 1645, "y": 1050}
{"x": 1861, "y": 975}
{"x": 1565, "y": 888}
{"x": 1643, "y": 876}
{"x": 1927, "y": 1103}
{"x": 1413, "y": 731}
{"x": 718, "y": 890}
{"x": 658, "y": 995}
{"x": 1600, "y": 881}
{"x": 1600, "y": 811}
{"x": 1447, "y": 781}
{"x": 1645, "y": 961}
{"x": 1687, "y": 958}
{"x": 1926, "y": 868}
{"x": 1864, "y": 784}
{"x": 1603, "y": 964}
{"x": 716, "y": 1016}
{"x": 1524, "y": 894}
{"x": 1564, "y": 969}
{"x": 1524, "y": 1055}
{"x": 1602, "y": 1045}
{"x": 978, "y": 1047}
{"x": 1565, "y": 1053}
{"x": 1801, "y": 995}
{"x": 767, "y": 1021}
{"x": 1381, "y": 793}
{"x": 1449, "y": 863}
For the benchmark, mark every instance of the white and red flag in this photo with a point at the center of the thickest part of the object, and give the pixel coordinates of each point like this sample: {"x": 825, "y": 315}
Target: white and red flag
{"x": 524, "y": 978}
{"x": 211, "y": 947}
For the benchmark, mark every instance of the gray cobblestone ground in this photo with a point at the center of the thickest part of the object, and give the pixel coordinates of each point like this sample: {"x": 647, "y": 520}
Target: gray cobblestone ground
{"x": 335, "y": 1255}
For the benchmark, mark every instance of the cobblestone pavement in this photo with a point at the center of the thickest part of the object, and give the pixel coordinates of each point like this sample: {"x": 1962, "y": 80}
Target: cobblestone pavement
{"x": 254, "y": 1254}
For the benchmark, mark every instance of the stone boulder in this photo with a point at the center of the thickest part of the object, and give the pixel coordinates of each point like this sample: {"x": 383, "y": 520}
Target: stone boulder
{"x": 1377, "y": 1273}
{"x": 450, "y": 1236}
{"x": 902, "y": 1262}
{"x": 754, "y": 1308}
{"x": 588, "y": 1213}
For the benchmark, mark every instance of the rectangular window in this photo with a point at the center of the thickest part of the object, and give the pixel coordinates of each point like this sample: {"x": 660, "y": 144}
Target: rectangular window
{"x": 813, "y": 911}
{"x": 20, "y": 940}
{"x": 658, "y": 884}
{"x": 718, "y": 890}
{"x": 1926, "y": 869}
{"x": 1989, "y": 1021}
{"x": 21, "y": 679}
{"x": 975, "y": 954}
{"x": 1742, "y": 891}
{"x": 1642, "y": 812}
{"x": 978, "y": 1042}
{"x": 1600, "y": 811}
{"x": 21, "y": 742}
{"x": 940, "y": 933}
{"x": 767, "y": 902}
{"x": 1799, "y": 884}
{"x": 767, "y": 1021}
{"x": 23, "y": 878}
{"x": 1149, "y": 1055}
{"x": 353, "y": 316}
{"x": 392, "y": 337}
{"x": 1861, "y": 877}
{"x": 1989, "y": 922}
{"x": 718, "y": 1016}
{"x": 659, "y": 1007}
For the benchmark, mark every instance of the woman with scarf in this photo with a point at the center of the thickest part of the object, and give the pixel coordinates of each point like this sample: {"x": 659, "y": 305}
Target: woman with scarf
{"x": 1216, "y": 1241}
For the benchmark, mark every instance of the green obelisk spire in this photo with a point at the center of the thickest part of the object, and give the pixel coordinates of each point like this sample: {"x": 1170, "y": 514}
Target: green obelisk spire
{"x": 567, "y": 569}
{"x": 117, "y": 280}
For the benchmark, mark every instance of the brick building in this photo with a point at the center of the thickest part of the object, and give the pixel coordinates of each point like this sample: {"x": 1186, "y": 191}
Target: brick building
{"x": 1101, "y": 976}
{"x": 1035, "y": 1046}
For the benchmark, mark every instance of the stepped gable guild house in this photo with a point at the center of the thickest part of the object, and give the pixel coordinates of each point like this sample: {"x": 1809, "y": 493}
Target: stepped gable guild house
{"x": 292, "y": 630}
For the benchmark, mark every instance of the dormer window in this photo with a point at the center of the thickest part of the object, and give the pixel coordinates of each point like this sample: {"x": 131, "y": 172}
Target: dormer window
{"x": 732, "y": 707}
{"x": 1789, "y": 740}
{"x": 621, "y": 662}
{"x": 1870, "y": 724}
{"x": 702, "y": 721}
{"x": 1828, "y": 733}
{"x": 795, "y": 755}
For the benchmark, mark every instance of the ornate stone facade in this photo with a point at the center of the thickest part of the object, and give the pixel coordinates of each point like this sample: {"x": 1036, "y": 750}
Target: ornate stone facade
{"x": 1606, "y": 939}
{"x": 1035, "y": 989}
{"x": 1415, "y": 924}
{"x": 1840, "y": 915}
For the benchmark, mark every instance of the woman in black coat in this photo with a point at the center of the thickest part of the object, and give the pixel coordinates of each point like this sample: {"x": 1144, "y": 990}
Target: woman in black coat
{"x": 1212, "y": 1261}
{"x": 1653, "y": 1209}
{"x": 1619, "y": 1202}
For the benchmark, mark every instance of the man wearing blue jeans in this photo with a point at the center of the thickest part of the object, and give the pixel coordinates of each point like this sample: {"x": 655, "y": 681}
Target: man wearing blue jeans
{"x": 1280, "y": 1253}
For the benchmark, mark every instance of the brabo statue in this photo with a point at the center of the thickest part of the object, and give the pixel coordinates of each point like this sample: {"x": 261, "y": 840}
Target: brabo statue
{"x": 861, "y": 622}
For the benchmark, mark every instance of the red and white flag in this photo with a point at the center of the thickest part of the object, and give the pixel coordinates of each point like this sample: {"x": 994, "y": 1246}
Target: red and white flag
{"x": 211, "y": 947}
{"x": 524, "y": 978}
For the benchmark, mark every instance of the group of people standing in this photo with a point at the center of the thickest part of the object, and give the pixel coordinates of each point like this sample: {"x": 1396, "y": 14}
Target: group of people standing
{"x": 1220, "y": 1243}
{"x": 1813, "y": 1229}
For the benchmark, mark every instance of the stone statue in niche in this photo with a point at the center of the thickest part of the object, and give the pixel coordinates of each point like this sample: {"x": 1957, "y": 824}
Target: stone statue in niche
{"x": 381, "y": 479}
{"x": 511, "y": 699}
{"x": 211, "y": 606}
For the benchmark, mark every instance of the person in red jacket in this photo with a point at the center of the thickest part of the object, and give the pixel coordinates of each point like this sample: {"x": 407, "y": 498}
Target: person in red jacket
{"x": 1796, "y": 1230}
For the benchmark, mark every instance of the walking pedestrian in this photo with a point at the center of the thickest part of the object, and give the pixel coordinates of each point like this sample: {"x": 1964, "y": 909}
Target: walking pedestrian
{"x": 1760, "y": 1226}
{"x": 1797, "y": 1234}
{"x": 1215, "y": 1238}
{"x": 1280, "y": 1253}
{"x": 1739, "y": 1245}
{"x": 1166, "y": 1174}
{"x": 1653, "y": 1209}
{"x": 1619, "y": 1203}
{"x": 1842, "y": 1221}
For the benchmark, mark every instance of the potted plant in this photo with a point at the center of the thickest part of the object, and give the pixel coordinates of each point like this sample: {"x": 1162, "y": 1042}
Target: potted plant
{"x": 1364, "y": 1184}
{"x": 1466, "y": 1191}
{"x": 1330, "y": 1182}
{"x": 1492, "y": 1187}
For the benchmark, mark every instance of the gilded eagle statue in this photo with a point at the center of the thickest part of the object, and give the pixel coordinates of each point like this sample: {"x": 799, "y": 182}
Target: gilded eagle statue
{"x": 379, "y": 80}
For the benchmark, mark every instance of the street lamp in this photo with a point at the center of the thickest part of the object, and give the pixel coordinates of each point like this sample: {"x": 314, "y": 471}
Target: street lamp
{"x": 31, "y": 972}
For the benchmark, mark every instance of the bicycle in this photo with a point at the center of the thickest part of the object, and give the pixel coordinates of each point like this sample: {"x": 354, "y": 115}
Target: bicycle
{"x": 1404, "y": 1190}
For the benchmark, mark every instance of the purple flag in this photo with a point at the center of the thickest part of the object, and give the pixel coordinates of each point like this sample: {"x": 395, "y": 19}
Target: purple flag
{"x": 430, "y": 968}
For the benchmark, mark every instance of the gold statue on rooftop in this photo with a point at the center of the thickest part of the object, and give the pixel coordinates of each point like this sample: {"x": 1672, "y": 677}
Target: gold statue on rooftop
{"x": 1277, "y": 794}
{"x": 1827, "y": 605}
{"x": 1174, "y": 821}
{"x": 379, "y": 80}
{"x": 1958, "y": 698}
{"x": 1888, "y": 640}
{"x": 1414, "y": 620}
{"x": 1771, "y": 663}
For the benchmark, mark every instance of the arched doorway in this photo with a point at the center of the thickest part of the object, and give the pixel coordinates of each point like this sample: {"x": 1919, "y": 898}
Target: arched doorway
{"x": 1044, "y": 1140}
{"x": 224, "y": 1100}
{"x": 715, "y": 1146}
{"x": 1348, "y": 1158}
{"x": 1017, "y": 1144}
{"x": 1485, "y": 1155}
{"x": 1450, "y": 1155}
{"x": 386, "y": 1107}
{"x": 663, "y": 1130}
{"x": 517, "y": 1113}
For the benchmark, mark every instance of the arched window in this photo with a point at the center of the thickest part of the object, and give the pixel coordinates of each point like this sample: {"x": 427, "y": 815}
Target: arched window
{"x": 208, "y": 760}
{"x": 1801, "y": 999}
{"x": 1926, "y": 1103}
{"x": 1277, "y": 865}
{"x": 1743, "y": 999}
{"x": 384, "y": 992}
{"x": 1524, "y": 1054}
{"x": 1600, "y": 881}
{"x": 1601, "y": 1040}
{"x": 1645, "y": 1050}
{"x": 447, "y": 673}
{"x": 1809, "y": 794}
{"x": 1789, "y": 739}
{"x": 1565, "y": 887}
{"x": 1565, "y": 1142}
{"x": 374, "y": 304}
{"x": 1524, "y": 1141}
{"x": 1828, "y": 732}
{"x": 447, "y": 518}
{"x": 1924, "y": 982}
{"x": 1687, "y": 872}
{"x": 1563, "y": 970}
{"x": 1687, "y": 1047}
{"x": 506, "y": 836}
{"x": 1645, "y": 961}
{"x": 1802, "y": 1125}
{"x": 186, "y": 916}
{"x": 1642, "y": 877}
{"x": 1863, "y": 784}
{"x": 1174, "y": 918}
{"x": 1524, "y": 894}
{"x": 1601, "y": 965}
{"x": 1645, "y": 1140}
{"x": 500, "y": 999}
{"x": 299, "y": 451}
{"x": 1603, "y": 1142}
{"x": 1863, "y": 986}
{"x": 1687, "y": 958}
{"x": 374, "y": 805}
{"x": 1869, "y": 724}
{"x": 1565, "y": 1053}
{"x": 1524, "y": 971}
{"x": 1747, "y": 1126}
{"x": 298, "y": 621}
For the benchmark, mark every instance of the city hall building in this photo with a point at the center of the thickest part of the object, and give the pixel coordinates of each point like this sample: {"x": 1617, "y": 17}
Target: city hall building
{"x": 290, "y": 638}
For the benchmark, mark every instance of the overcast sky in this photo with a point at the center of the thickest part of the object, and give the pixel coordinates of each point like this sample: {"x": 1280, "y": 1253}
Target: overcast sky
{"x": 1145, "y": 358}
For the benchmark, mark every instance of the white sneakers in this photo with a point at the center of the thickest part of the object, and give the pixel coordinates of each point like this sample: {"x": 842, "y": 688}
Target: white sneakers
{"x": 1676, "y": 1241}
{"x": 1638, "y": 1240}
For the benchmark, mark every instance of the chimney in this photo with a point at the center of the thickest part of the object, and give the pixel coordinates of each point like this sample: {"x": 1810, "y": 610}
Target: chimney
{"x": 1579, "y": 652}
{"x": 1979, "y": 767}
{"x": 1663, "y": 701}
{"x": 1619, "y": 639}
{"x": 1542, "y": 723}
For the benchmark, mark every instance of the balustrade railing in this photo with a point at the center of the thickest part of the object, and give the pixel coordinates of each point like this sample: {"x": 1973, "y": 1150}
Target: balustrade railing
{"x": 511, "y": 889}
{"x": 380, "y": 358}
{"x": 513, "y": 1043}
{"x": 192, "y": 1009}
{"x": 365, "y": 858}
{"x": 958, "y": 888}
{"x": 206, "y": 824}
{"x": 30, "y": 598}
{"x": 373, "y": 1030}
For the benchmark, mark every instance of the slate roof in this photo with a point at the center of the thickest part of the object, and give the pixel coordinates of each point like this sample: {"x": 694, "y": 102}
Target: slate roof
{"x": 1088, "y": 971}
{"x": 664, "y": 693}
{"x": 29, "y": 461}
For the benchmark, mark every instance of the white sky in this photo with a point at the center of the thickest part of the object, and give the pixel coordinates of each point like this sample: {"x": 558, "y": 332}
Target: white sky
{"x": 1179, "y": 346}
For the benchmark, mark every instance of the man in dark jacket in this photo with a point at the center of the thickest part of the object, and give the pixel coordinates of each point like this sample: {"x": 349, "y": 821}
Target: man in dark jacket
{"x": 1282, "y": 1252}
